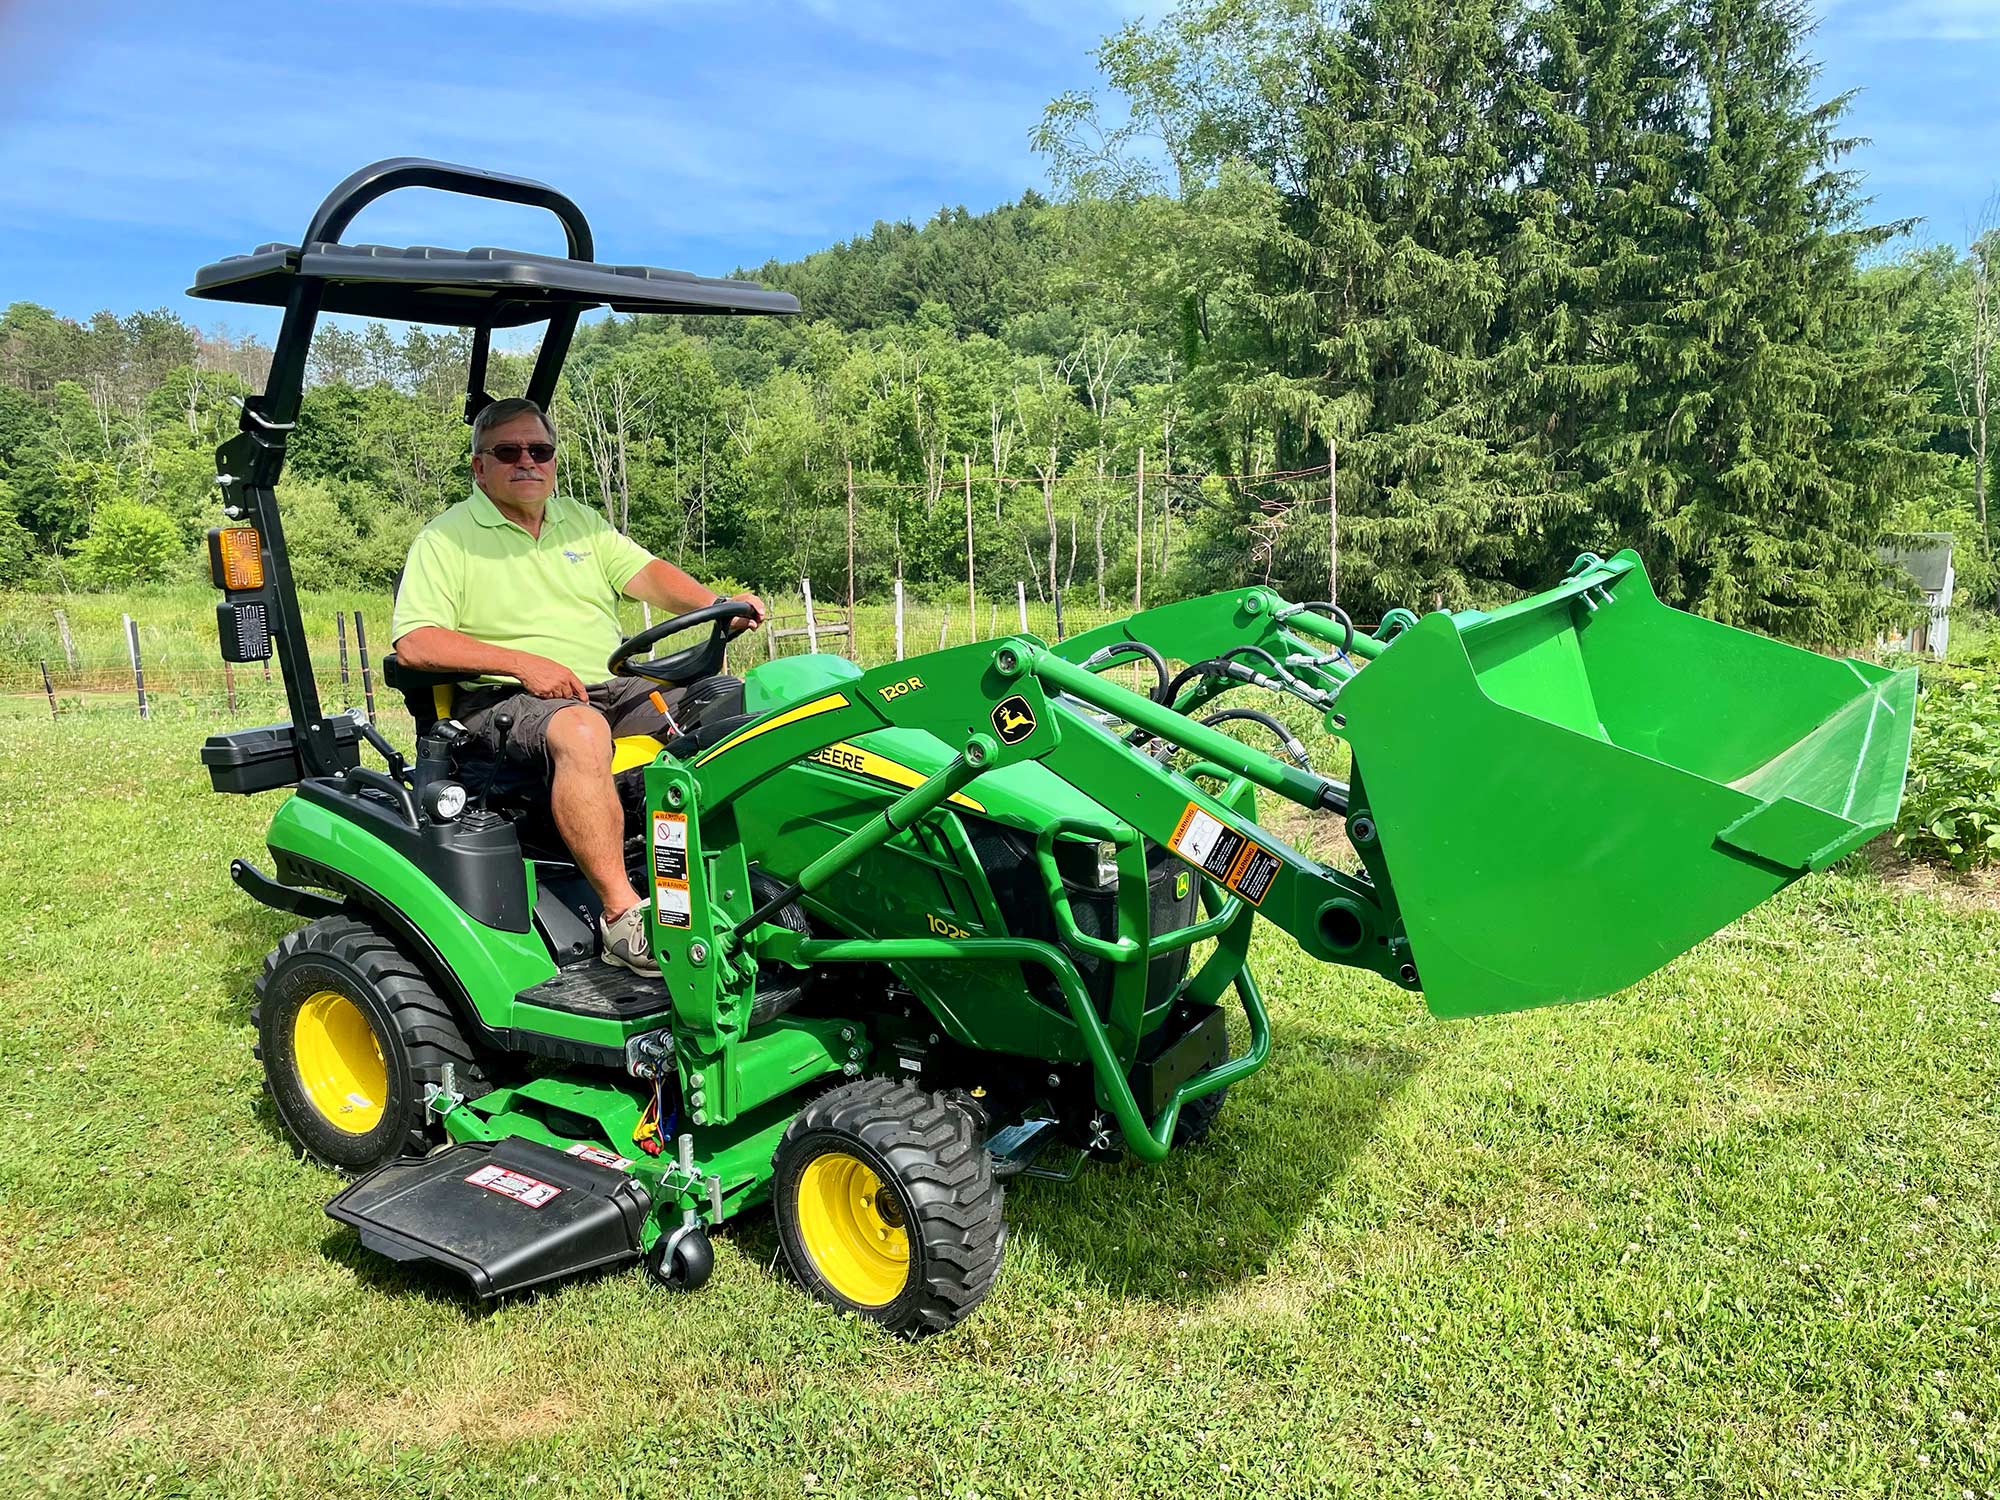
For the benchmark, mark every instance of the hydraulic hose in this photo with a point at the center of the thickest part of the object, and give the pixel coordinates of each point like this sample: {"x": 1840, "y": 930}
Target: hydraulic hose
{"x": 1326, "y": 607}
{"x": 1161, "y": 692}
{"x": 1294, "y": 750}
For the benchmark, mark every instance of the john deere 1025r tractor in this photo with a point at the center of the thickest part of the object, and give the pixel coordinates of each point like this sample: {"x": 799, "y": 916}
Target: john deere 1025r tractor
{"x": 926, "y": 928}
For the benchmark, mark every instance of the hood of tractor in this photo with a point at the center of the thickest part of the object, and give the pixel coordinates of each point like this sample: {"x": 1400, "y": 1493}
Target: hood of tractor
{"x": 1024, "y": 796}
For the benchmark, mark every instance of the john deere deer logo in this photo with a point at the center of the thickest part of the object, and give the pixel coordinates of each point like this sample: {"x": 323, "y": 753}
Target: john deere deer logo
{"x": 1013, "y": 720}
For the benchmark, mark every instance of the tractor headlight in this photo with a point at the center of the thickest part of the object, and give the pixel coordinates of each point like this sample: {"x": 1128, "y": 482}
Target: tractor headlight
{"x": 444, "y": 801}
{"x": 1107, "y": 864}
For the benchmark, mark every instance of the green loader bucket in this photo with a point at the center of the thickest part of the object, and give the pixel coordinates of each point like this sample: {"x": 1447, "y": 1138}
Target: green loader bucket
{"x": 1570, "y": 791}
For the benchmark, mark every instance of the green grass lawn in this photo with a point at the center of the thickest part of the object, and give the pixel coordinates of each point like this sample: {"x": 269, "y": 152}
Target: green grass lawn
{"x": 1733, "y": 1233}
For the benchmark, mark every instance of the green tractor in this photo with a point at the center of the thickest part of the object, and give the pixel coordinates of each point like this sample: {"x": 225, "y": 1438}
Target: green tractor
{"x": 929, "y": 927}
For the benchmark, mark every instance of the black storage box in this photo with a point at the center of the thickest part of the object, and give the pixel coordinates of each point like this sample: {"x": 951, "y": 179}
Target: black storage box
{"x": 257, "y": 760}
{"x": 503, "y": 1214}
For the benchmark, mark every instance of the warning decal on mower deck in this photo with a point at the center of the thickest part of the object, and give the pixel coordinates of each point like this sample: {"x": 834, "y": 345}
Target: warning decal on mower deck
{"x": 672, "y": 906}
{"x": 528, "y": 1191}
{"x": 601, "y": 1157}
{"x": 1242, "y": 864}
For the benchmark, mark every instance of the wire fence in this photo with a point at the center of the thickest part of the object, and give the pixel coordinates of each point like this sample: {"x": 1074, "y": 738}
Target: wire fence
{"x": 165, "y": 661}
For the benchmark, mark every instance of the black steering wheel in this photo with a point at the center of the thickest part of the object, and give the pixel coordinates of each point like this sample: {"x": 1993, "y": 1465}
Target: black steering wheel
{"x": 686, "y": 665}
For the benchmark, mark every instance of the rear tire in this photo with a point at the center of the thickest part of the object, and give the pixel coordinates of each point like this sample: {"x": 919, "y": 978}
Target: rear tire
{"x": 887, "y": 1206}
{"x": 350, "y": 1031}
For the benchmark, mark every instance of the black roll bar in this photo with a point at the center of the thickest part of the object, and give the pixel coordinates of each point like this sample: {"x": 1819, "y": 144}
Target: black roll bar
{"x": 248, "y": 466}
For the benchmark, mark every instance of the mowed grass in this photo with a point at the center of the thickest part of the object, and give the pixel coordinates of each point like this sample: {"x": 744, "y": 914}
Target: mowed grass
{"x": 1731, "y": 1234}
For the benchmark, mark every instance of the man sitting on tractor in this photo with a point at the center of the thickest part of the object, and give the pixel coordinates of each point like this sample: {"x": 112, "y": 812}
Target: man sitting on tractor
{"x": 518, "y": 582}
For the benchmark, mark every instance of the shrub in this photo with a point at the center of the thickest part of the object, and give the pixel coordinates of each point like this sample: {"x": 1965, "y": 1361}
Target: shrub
{"x": 1951, "y": 803}
{"x": 129, "y": 543}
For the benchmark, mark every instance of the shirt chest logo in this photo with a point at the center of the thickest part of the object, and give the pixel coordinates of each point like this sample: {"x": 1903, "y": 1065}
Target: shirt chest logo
{"x": 574, "y": 555}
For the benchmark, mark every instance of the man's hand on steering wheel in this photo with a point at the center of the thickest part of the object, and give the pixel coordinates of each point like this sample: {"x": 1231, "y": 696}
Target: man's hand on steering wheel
{"x": 763, "y": 613}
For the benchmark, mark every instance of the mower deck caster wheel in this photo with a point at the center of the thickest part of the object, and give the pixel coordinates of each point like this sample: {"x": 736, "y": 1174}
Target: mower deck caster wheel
{"x": 682, "y": 1260}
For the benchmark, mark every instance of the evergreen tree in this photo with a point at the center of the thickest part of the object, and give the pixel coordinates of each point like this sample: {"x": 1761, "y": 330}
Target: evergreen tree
{"x": 1756, "y": 452}
{"x": 1398, "y": 251}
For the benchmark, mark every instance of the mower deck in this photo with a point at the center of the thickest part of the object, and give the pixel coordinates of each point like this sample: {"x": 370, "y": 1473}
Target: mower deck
{"x": 505, "y": 1215}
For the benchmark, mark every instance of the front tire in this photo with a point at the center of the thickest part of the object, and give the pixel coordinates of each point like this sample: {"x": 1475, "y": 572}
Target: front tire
{"x": 350, "y": 1031}
{"x": 887, "y": 1206}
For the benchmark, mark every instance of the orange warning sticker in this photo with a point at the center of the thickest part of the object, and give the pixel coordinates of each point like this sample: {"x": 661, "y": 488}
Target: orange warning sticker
{"x": 1213, "y": 847}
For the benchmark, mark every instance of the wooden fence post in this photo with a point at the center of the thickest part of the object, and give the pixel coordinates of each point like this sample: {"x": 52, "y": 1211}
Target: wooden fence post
{"x": 850, "y": 562}
{"x": 68, "y": 642}
{"x": 50, "y": 688}
{"x": 770, "y": 640}
{"x": 1139, "y": 541}
{"x": 899, "y": 618}
{"x": 229, "y": 685}
{"x": 1332, "y": 520}
{"x": 1021, "y": 599}
{"x": 138, "y": 672}
{"x": 943, "y": 626}
{"x": 812, "y": 625}
{"x": 340, "y": 633}
{"x": 971, "y": 594}
{"x": 367, "y": 675}
{"x": 646, "y": 614}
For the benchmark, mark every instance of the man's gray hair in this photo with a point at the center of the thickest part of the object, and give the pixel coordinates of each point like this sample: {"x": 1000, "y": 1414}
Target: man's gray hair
{"x": 495, "y": 413}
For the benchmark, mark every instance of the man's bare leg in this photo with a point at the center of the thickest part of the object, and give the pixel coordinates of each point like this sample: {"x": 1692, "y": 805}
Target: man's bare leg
{"x": 586, "y": 807}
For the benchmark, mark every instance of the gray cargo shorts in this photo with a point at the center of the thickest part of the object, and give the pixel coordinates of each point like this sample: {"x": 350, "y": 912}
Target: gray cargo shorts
{"x": 630, "y": 705}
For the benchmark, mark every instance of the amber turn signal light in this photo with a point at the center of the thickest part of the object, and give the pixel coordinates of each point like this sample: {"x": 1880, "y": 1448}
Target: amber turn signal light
{"x": 236, "y": 557}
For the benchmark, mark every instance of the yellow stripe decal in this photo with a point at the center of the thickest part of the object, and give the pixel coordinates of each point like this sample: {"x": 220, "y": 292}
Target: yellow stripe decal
{"x": 846, "y": 757}
{"x": 790, "y": 716}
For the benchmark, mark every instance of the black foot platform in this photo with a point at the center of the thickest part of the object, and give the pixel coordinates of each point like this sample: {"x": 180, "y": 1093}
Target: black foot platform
{"x": 608, "y": 992}
{"x": 504, "y": 1214}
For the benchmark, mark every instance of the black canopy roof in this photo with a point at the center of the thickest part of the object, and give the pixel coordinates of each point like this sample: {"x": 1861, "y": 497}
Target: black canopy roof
{"x": 472, "y": 288}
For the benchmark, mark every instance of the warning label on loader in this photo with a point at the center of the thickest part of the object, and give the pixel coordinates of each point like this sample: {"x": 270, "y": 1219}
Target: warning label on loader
{"x": 1241, "y": 863}
{"x": 531, "y": 1192}
{"x": 672, "y": 905}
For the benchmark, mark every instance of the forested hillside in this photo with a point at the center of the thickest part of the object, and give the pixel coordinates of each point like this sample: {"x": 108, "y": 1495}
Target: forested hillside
{"x": 1494, "y": 282}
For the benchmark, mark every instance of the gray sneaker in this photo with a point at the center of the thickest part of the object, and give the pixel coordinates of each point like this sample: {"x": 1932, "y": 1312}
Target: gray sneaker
{"x": 625, "y": 941}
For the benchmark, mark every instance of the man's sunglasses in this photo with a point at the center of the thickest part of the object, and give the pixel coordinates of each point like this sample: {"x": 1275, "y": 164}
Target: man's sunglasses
{"x": 510, "y": 453}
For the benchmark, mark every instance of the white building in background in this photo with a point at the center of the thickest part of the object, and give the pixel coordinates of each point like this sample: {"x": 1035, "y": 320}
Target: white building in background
{"x": 1928, "y": 560}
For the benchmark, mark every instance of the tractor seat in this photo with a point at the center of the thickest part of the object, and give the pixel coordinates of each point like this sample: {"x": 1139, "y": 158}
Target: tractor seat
{"x": 710, "y": 710}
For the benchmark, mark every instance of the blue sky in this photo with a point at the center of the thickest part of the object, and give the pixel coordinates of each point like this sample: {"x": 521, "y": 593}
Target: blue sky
{"x": 138, "y": 141}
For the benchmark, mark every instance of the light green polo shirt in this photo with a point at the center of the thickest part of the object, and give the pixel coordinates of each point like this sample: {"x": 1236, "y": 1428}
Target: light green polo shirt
{"x": 474, "y": 571}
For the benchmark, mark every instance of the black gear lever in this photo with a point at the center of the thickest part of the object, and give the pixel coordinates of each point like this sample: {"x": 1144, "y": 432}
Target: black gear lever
{"x": 504, "y": 723}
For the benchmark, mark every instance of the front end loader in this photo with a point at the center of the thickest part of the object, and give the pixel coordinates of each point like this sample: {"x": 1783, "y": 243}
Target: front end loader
{"x": 928, "y": 928}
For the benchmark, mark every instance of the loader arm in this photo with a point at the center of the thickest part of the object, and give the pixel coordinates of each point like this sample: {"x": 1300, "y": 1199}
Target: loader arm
{"x": 998, "y": 703}
{"x": 1570, "y": 791}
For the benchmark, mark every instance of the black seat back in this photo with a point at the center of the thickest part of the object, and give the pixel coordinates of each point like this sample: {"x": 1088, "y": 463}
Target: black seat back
{"x": 427, "y": 695}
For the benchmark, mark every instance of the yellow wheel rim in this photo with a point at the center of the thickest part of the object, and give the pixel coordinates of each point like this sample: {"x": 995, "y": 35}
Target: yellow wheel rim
{"x": 852, "y": 1226}
{"x": 340, "y": 1062}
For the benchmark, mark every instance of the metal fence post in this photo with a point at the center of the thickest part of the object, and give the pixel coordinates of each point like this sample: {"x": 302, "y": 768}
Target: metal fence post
{"x": 367, "y": 675}
{"x": 138, "y": 672}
